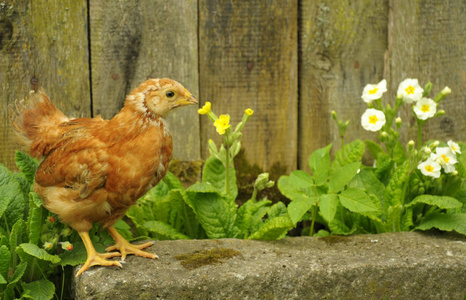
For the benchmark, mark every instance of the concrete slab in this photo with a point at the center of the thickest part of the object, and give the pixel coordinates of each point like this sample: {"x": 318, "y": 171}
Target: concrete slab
{"x": 405, "y": 265}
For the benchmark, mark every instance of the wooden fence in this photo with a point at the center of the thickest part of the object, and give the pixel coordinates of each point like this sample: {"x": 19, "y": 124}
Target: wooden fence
{"x": 291, "y": 61}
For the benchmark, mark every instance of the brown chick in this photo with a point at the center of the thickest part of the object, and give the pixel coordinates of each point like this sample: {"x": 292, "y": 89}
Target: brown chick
{"x": 95, "y": 169}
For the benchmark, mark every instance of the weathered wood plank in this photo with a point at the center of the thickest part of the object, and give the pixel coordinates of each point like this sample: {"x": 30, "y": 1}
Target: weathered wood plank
{"x": 135, "y": 40}
{"x": 427, "y": 41}
{"x": 343, "y": 44}
{"x": 248, "y": 58}
{"x": 42, "y": 44}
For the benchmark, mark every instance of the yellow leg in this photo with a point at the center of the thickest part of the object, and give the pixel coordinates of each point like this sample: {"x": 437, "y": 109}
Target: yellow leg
{"x": 126, "y": 248}
{"x": 94, "y": 258}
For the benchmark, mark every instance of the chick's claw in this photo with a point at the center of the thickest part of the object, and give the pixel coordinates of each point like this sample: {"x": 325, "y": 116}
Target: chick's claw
{"x": 100, "y": 260}
{"x": 126, "y": 248}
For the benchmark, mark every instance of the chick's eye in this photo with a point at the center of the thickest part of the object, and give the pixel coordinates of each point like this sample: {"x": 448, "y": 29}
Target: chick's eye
{"x": 170, "y": 94}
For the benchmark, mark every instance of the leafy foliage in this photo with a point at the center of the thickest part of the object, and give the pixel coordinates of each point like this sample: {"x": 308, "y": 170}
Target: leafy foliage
{"x": 346, "y": 197}
{"x": 31, "y": 237}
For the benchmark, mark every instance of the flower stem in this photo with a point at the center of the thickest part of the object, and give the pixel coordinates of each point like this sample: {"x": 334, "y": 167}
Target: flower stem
{"x": 254, "y": 195}
{"x": 227, "y": 170}
{"x": 419, "y": 136}
{"x": 314, "y": 215}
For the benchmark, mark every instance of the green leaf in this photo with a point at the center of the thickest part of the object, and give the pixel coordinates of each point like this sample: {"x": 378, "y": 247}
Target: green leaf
{"x": 275, "y": 229}
{"x": 342, "y": 176}
{"x": 215, "y": 213}
{"x": 399, "y": 153}
{"x": 214, "y": 173}
{"x": 182, "y": 216}
{"x": 366, "y": 180}
{"x": 445, "y": 222}
{"x": 172, "y": 182}
{"x": 2, "y": 280}
{"x": 298, "y": 208}
{"x": 35, "y": 251}
{"x": 350, "y": 153}
{"x": 35, "y": 221}
{"x": 356, "y": 201}
{"x": 299, "y": 186}
{"x": 277, "y": 210}
{"x": 338, "y": 227}
{"x": 374, "y": 148}
{"x": 319, "y": 161}
{"x": 5, "y": 258}
{"x": 9, "y": 189}
{"x": 39, "y": 290}
{"x": 328, "y": 206}
{"x": 244, "y": 216}
{"x": 260, "y": 210}
{"x": 394, "y": 189}
{"x": 35, "y": 199}
{"x": 18, "y": 274}
{"x": 18, "y": 236}
{"x": 443, "y": 202}
{"x": 165, "y": 230}
{"x": 27, "y": 165}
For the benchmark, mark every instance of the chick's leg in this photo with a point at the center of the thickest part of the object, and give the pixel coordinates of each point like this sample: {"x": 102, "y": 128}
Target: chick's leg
{"x": 94, "y": 258}
{"x": 126, "y": 248}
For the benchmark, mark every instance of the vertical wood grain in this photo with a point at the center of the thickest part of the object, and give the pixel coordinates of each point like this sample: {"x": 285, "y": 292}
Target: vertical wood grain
{"x": 47, "y": 41}
{"x": 427, "y": 41}
{"x": 132, "y": 41}
{"x": 248, "y": 59}
{"x": 342, "y": 48}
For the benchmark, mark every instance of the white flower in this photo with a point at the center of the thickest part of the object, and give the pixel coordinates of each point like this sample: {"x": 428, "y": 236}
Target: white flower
{"x": 430, "y": 168}
{"x": 410, "y": 90}
{"x": 373, "y": 119}
{"x": 425, "y": 108}
{"x": 454, "y": 146}
{"x": 446, "y": 158}
{"x": 373, "y": 92}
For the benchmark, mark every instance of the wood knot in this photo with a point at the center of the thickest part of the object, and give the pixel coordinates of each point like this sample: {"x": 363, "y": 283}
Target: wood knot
{"x": 6, "y": 33}
{"x": 34, "y": 83}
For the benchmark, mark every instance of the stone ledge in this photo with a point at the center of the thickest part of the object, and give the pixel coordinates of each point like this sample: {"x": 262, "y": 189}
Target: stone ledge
{"x": 404, "y": 265}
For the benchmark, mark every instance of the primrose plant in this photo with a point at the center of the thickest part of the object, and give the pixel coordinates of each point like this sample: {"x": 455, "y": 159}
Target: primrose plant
{"x": 208, "y": 209}
{"x": 407, "y": 188}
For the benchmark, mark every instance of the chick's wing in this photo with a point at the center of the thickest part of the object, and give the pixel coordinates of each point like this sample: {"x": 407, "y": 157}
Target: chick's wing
{"x": 78, "y": 161}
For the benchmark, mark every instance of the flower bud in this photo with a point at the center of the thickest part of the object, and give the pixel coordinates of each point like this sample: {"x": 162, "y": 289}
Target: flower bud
{"x": 446, "y": 91}
{"x": 435, "y": 144}
{"x": 427, "y": 150}
{"x": 47, "y": 246}
{"x": 427, "y": 89}
{"x": 66, "y": 231}
{"x": 51, "y": 219}
{"x": 66, "y": 246}
{"x": 262, "y": 181}
{"x": 398, "y": 122}
{"x": 334, "y": 115}
{"x": 454, "y": 173}
{"x": 440, "y": 113}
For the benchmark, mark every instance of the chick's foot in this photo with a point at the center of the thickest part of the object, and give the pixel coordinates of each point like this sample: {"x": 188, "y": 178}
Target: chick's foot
{"x": 126, "y": 248}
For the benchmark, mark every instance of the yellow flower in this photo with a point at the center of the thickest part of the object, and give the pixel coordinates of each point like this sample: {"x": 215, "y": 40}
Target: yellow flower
{"x": 205, "y": 109}
{"x": 222, "y": 124}
{"x": 249, "y": 112}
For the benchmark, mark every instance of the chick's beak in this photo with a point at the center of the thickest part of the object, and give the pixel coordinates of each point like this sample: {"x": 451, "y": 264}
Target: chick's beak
{"x": 187, "y": 99}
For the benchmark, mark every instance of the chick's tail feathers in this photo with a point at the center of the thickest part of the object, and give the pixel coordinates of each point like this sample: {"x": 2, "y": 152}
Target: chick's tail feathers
{"x": 36, "y": 123}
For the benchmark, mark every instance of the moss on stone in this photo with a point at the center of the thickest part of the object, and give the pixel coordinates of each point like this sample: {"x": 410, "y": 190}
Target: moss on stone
{"x": 214, "y": 256}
